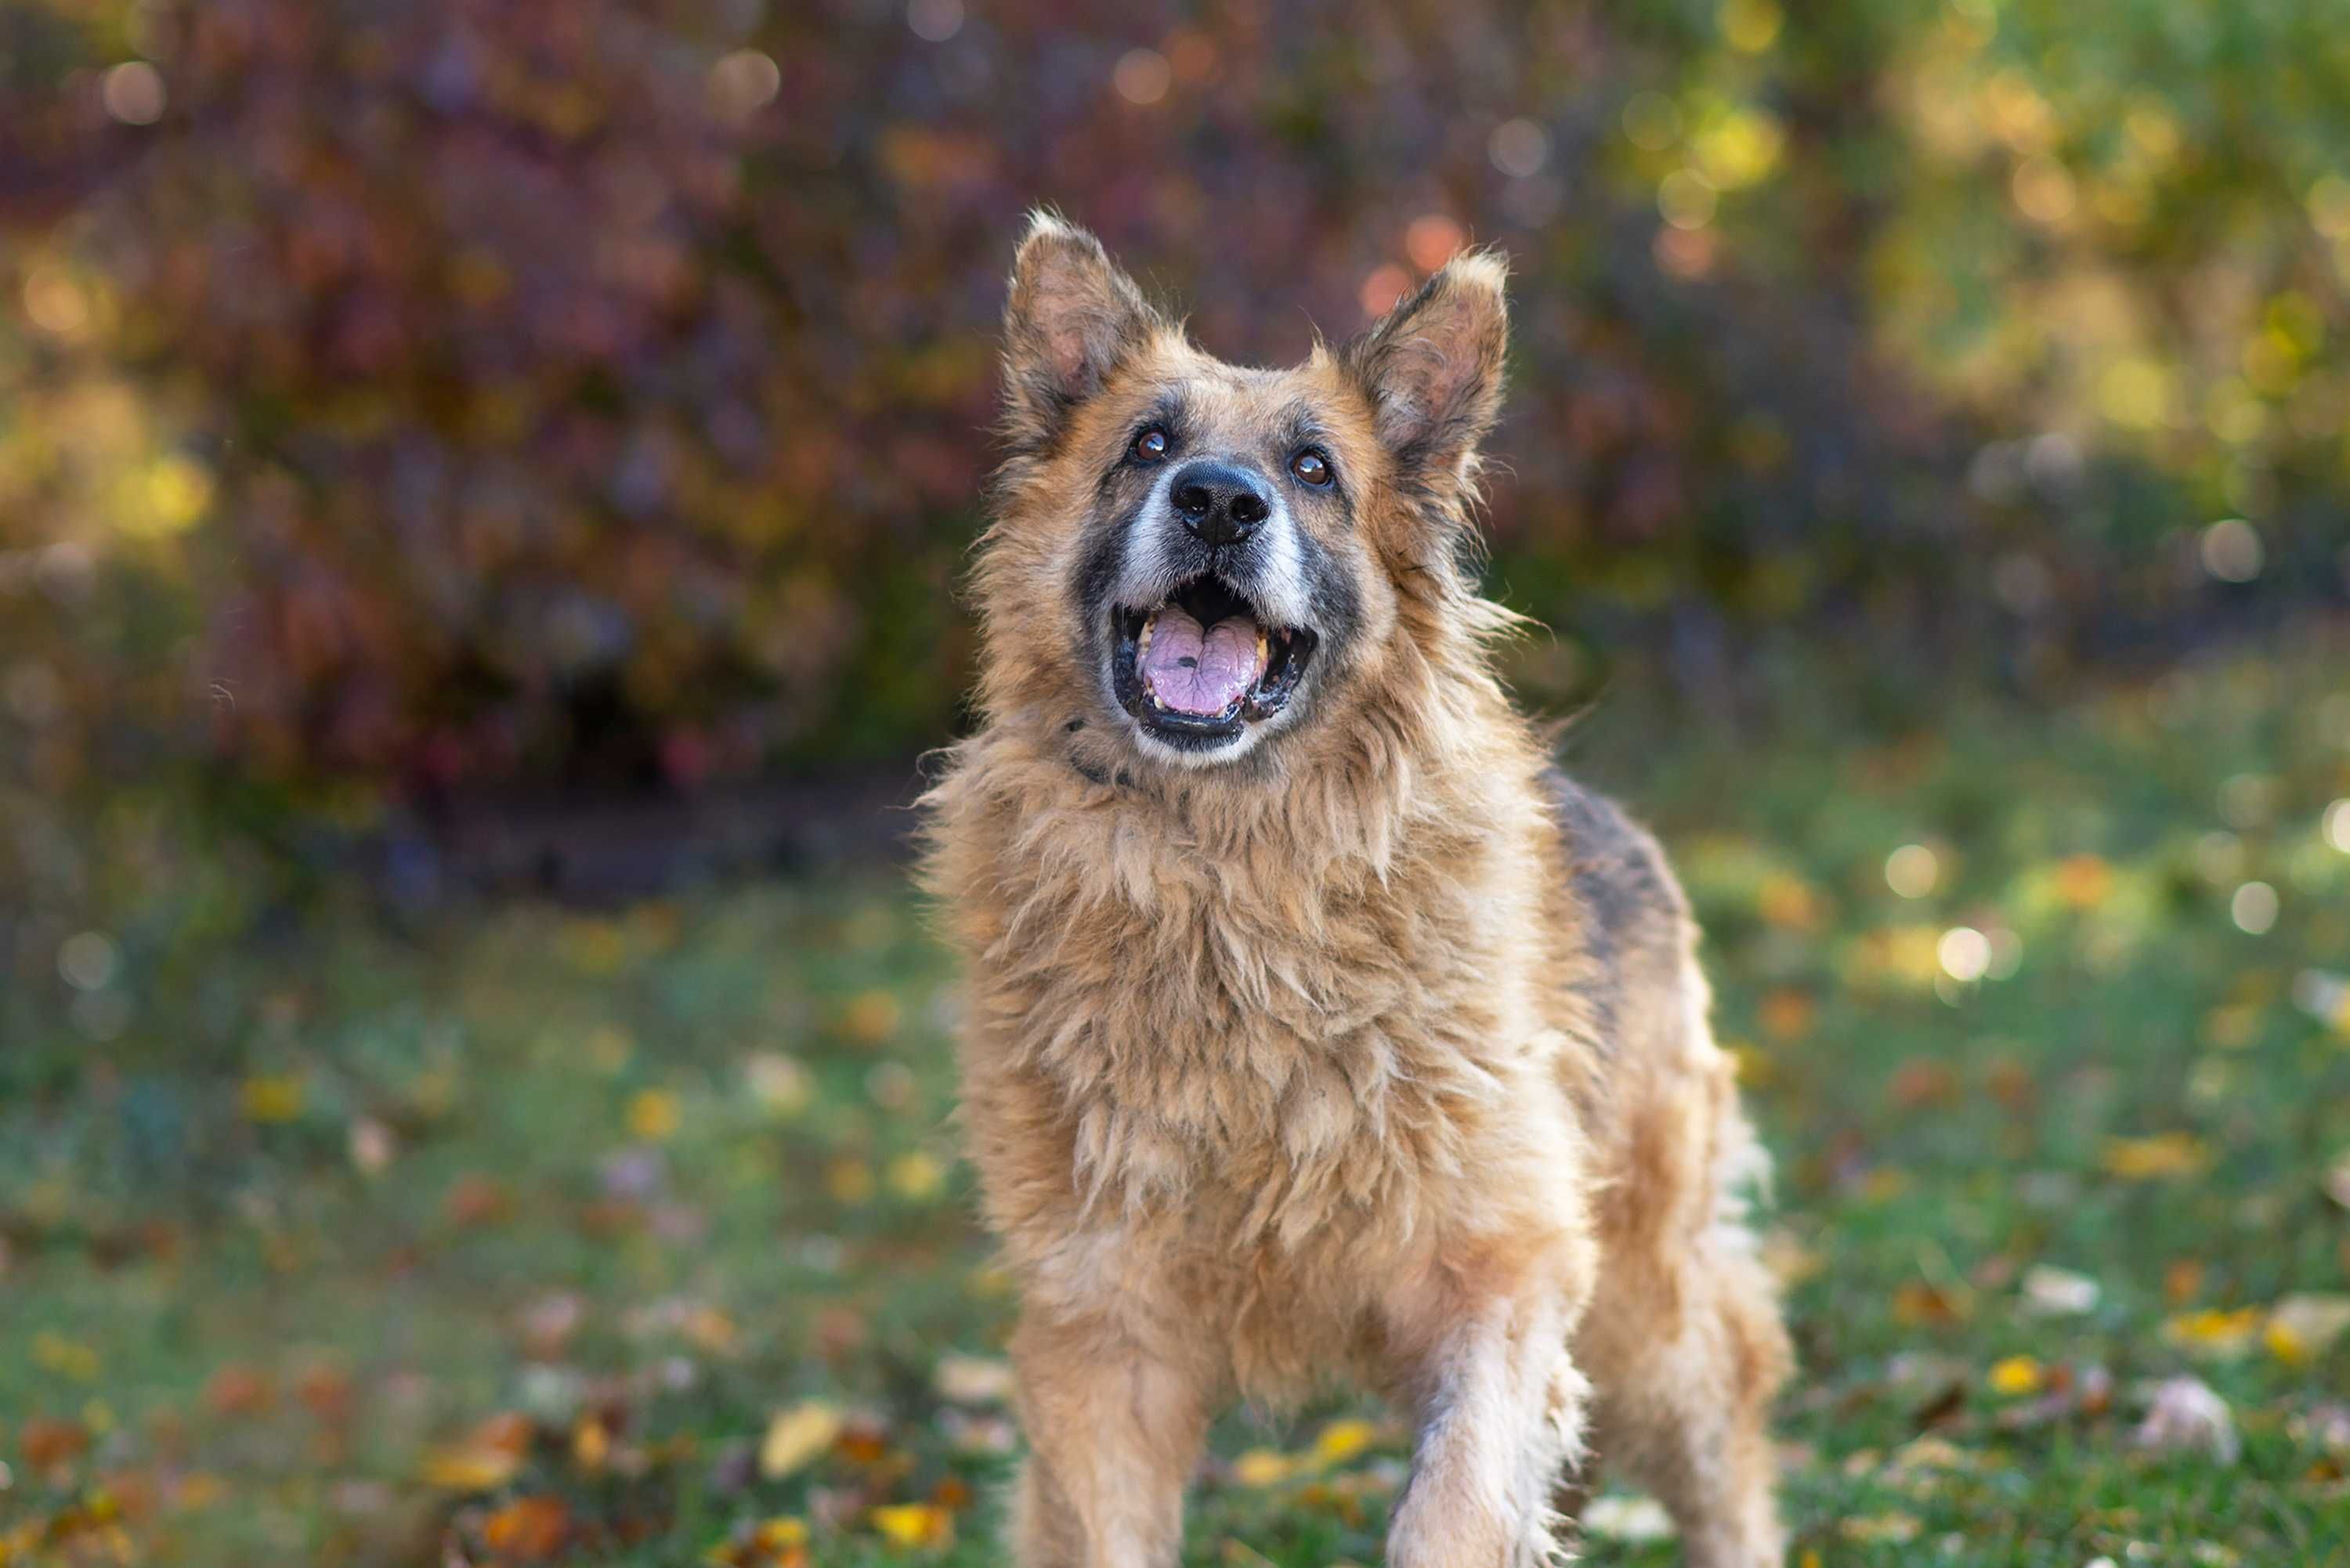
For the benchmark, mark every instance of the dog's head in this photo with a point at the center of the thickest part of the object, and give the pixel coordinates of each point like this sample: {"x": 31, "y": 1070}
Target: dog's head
{"x": 1206, "y": 560}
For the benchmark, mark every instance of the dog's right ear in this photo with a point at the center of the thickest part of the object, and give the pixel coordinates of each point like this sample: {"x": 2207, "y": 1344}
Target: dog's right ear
{"x": 1072, "y": 315}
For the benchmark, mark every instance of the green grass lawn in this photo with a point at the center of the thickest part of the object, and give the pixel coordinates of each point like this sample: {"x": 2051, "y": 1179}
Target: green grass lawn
{"x": 615, "y": 1238}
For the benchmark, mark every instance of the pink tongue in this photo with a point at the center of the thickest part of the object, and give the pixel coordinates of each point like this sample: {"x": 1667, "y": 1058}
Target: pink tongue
{"x": 1197, "y": 671}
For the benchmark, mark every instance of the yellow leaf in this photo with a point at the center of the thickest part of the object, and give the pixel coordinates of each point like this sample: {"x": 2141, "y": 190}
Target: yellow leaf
{"x": 65, "y": 1357}
{"x": 464, "y": 1467}
{"x": 2017, "y": 1375}
{"x": 2162, "y": 1155}
{"x": 1342, "y": 1440}
{"x": 1262, "y": 1467}
{"x": 591, "y": 1444}
{"x": 916, "y": 1176}
{"x": 870, "y": 1018}
{"x": 850, "y": 1181}
{"x": 652, "y": 1116}
{"x": 797, "y": 1437}
{"x": 271, "y": 1100}
{"x": 2301, "y": 1327}
{"x": 914, "y": 1524}
{"x": 2214, "y": 1331}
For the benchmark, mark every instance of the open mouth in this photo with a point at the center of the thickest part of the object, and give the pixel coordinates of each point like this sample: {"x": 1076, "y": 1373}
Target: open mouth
{"x": 1201, "y": 668}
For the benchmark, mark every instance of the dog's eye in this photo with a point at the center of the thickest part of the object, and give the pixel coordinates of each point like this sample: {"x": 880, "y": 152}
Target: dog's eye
{"x": 1311, "y": 467}
{"x": 1152, "y": 445}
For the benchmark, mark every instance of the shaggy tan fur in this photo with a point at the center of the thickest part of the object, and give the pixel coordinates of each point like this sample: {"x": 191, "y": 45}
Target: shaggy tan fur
{"x": 1379, "y": 1054}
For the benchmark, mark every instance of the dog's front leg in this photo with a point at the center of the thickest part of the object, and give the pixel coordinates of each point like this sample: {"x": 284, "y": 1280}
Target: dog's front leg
{"x": 1500, "y": 1409}
{"x": 1114, "y": 1427}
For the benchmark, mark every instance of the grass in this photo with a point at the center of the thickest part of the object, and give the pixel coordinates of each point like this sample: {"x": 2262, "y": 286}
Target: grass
{"x": 510, "y": 1240}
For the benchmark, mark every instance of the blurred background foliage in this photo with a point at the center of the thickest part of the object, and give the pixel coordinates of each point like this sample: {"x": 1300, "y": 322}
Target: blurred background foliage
{"x": 409, "y": 400}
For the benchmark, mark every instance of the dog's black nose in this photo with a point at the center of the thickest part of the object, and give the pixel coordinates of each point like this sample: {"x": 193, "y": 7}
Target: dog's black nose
{"x": 1221, "y": 504}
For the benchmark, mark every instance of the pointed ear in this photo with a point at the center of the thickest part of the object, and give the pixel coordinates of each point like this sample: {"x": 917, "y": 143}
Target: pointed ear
{"x": 1433, "y": 367}
{"x": 1071, "y": 316}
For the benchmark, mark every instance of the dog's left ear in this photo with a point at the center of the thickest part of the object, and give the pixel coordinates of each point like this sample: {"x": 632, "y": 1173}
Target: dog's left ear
{"x": 1071, "y": 316}
{"x": 1433, "y": 367}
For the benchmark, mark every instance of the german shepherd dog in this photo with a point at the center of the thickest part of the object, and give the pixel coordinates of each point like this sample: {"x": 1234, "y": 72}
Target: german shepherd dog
{"x": 1318, "y": 1028}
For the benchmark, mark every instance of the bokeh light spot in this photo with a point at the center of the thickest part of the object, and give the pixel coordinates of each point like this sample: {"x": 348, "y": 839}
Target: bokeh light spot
{"x": 1432, "y": 240}
{"x": 1652, "y": 121}
{"x": 2329, "y": 207}
{"x": 742, "y": 83}
{"x": 1518, "y": 147}
{"x": 88, "y": 961}
{"x": 1687, "y": 199}
{"x": 1387, "y": 284}
{"x": 1142, "y": 77}
{"x": 1750, "y": 27}
{"x": 2232, "y": 550}
{"x": 55, "y": 303}
{"x": 935, "y": 21}
{"x": 2044, "y": 190}
{"x": 1912, "y": 871}
{"x": 2337, "y": 824}
{"x": 133, "y": 93}
{"x": 2255, "y": 908}
{"x": 1964, "y": 953}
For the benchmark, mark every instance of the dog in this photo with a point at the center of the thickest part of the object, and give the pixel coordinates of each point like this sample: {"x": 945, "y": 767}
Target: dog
{"x": 1318, "y": 1028}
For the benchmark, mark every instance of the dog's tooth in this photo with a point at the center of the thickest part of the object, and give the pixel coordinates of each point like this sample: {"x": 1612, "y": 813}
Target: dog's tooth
{"x": 1263, "y": 654}
{"x": 1142, "y": 644}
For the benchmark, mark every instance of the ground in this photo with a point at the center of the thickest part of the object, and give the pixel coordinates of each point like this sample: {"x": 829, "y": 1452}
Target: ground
{"x": 639, "y": 1237}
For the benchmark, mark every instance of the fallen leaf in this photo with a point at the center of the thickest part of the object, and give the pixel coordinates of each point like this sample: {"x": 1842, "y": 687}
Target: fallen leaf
{"x": 2017, "y": 1375}
{"x": 1343, "y": 1441}
{"x": 529, "y": 1529}
{"x": 46, "y": 1444}
{"x": 781, "y": 1086}
{"x": 912, "y": 1524}
{"x": 476, "y": 1200}
{"x": 1791, "y": 1261}
{"x": 2184, "y": 1415}
{"x": 2087, "y": 1392}
{"x": 870, "y": 1018}
{"x": 1921, "y": 1303}
{"x": 916, "y": 1177}
{"x": 1919, "y": 1083}
{"x": 486, "y": 1457}
{"x": 653, "y": 1116}
{"x": 269, "y": 1100}
{"x": 2084, "y": 881}
{"x": 796, "y": 1437}
{"x": 1263, "y": 1466}
{"x": 1622, "y": 1518}
{"x": 849, "y": 1180}
{"x": 2155, "y": 1157}
{"x": 2216, "y": 1333}
{"x": 2058, "y": 1293}
{"x": 1930, "y": 1452}
{"x": 779, "y": 1542}
{"x": 1894, "y": 1528}
{"x": 973, "y": 1379}
{"x": 239, "y": 1390}
{"x": 2301, "y": 1327}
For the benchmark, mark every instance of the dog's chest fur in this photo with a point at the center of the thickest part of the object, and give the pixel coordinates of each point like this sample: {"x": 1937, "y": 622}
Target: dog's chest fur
{"x": 1296, "y": 1044}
